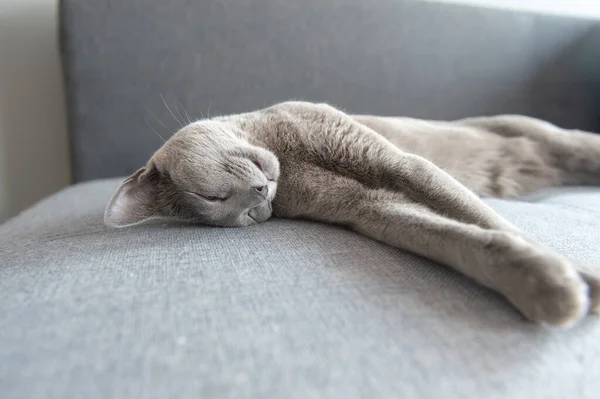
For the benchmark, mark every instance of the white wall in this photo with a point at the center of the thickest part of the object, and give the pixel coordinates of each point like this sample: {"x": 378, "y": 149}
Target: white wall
{"x": 33, "y": 142}
{"x": 582, "y": 8}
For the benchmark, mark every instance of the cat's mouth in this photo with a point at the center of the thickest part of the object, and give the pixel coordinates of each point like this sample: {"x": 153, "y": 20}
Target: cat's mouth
{"x": 251, "y": 217}
{"x": 262, "y": 212}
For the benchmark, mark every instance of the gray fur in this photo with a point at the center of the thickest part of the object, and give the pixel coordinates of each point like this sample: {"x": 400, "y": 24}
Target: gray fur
{"x": 412, "y": 184}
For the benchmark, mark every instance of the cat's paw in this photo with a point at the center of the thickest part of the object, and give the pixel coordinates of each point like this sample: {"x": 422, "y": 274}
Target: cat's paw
{"x": 591, "y": 275}
{"x": 548, "y": 289}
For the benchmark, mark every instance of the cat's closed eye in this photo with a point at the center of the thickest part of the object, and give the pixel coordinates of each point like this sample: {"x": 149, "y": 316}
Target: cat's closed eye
{"x": 209, "y": 197}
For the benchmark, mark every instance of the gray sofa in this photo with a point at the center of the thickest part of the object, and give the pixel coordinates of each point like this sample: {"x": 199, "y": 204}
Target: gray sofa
{"x": 288, "y": 308}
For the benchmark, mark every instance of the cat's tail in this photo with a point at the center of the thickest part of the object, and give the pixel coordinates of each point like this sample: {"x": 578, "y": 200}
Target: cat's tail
{"x": 574, "y": 154}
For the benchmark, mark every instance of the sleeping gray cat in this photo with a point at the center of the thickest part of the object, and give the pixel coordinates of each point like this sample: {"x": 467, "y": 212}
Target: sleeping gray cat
{"x": 410, "y": 183}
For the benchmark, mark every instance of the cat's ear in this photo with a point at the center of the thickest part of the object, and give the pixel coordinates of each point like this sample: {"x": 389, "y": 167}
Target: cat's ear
{"x": 134, "y": 202}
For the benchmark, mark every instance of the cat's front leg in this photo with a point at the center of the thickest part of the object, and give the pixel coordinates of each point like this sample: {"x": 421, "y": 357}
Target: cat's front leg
{"x": 545, "y": 287}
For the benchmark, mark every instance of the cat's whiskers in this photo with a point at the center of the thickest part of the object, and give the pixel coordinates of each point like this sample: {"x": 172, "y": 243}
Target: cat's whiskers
{"x": 208, "y": 110}
{"x": 187, "y": 115}
{"x": 159, "y": 121}
{"x": 153, "y": 129}
{"x": 177, "y": 103}
{"x": 172, "y": 114}
{"x": 278, "y": 204}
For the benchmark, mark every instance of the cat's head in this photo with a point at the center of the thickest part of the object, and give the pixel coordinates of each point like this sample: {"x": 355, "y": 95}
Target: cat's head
{"x": 204, "y": 174}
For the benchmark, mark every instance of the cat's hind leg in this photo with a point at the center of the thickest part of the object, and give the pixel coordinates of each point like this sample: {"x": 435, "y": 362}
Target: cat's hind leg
{"x": 574, "y": 155}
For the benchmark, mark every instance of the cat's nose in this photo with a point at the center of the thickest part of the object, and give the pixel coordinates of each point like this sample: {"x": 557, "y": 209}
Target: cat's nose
{"x": 262, "y": 190}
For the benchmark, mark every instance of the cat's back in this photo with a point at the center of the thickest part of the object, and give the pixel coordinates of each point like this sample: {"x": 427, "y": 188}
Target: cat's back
{"x": 306, "y": 135}
{"x": 488, "y": 164}
{"x": 434, "y": 140}
{"x": 313, "y": 130}
{"x": 303, "y": 126}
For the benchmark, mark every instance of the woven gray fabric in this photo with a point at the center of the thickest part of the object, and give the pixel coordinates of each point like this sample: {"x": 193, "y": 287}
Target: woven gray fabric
{"x": 386, "y": 57}
{"x": 283, "y": 309}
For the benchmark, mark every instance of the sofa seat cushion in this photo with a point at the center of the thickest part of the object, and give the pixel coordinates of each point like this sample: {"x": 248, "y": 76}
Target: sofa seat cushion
{"x": 283, "y": 309}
